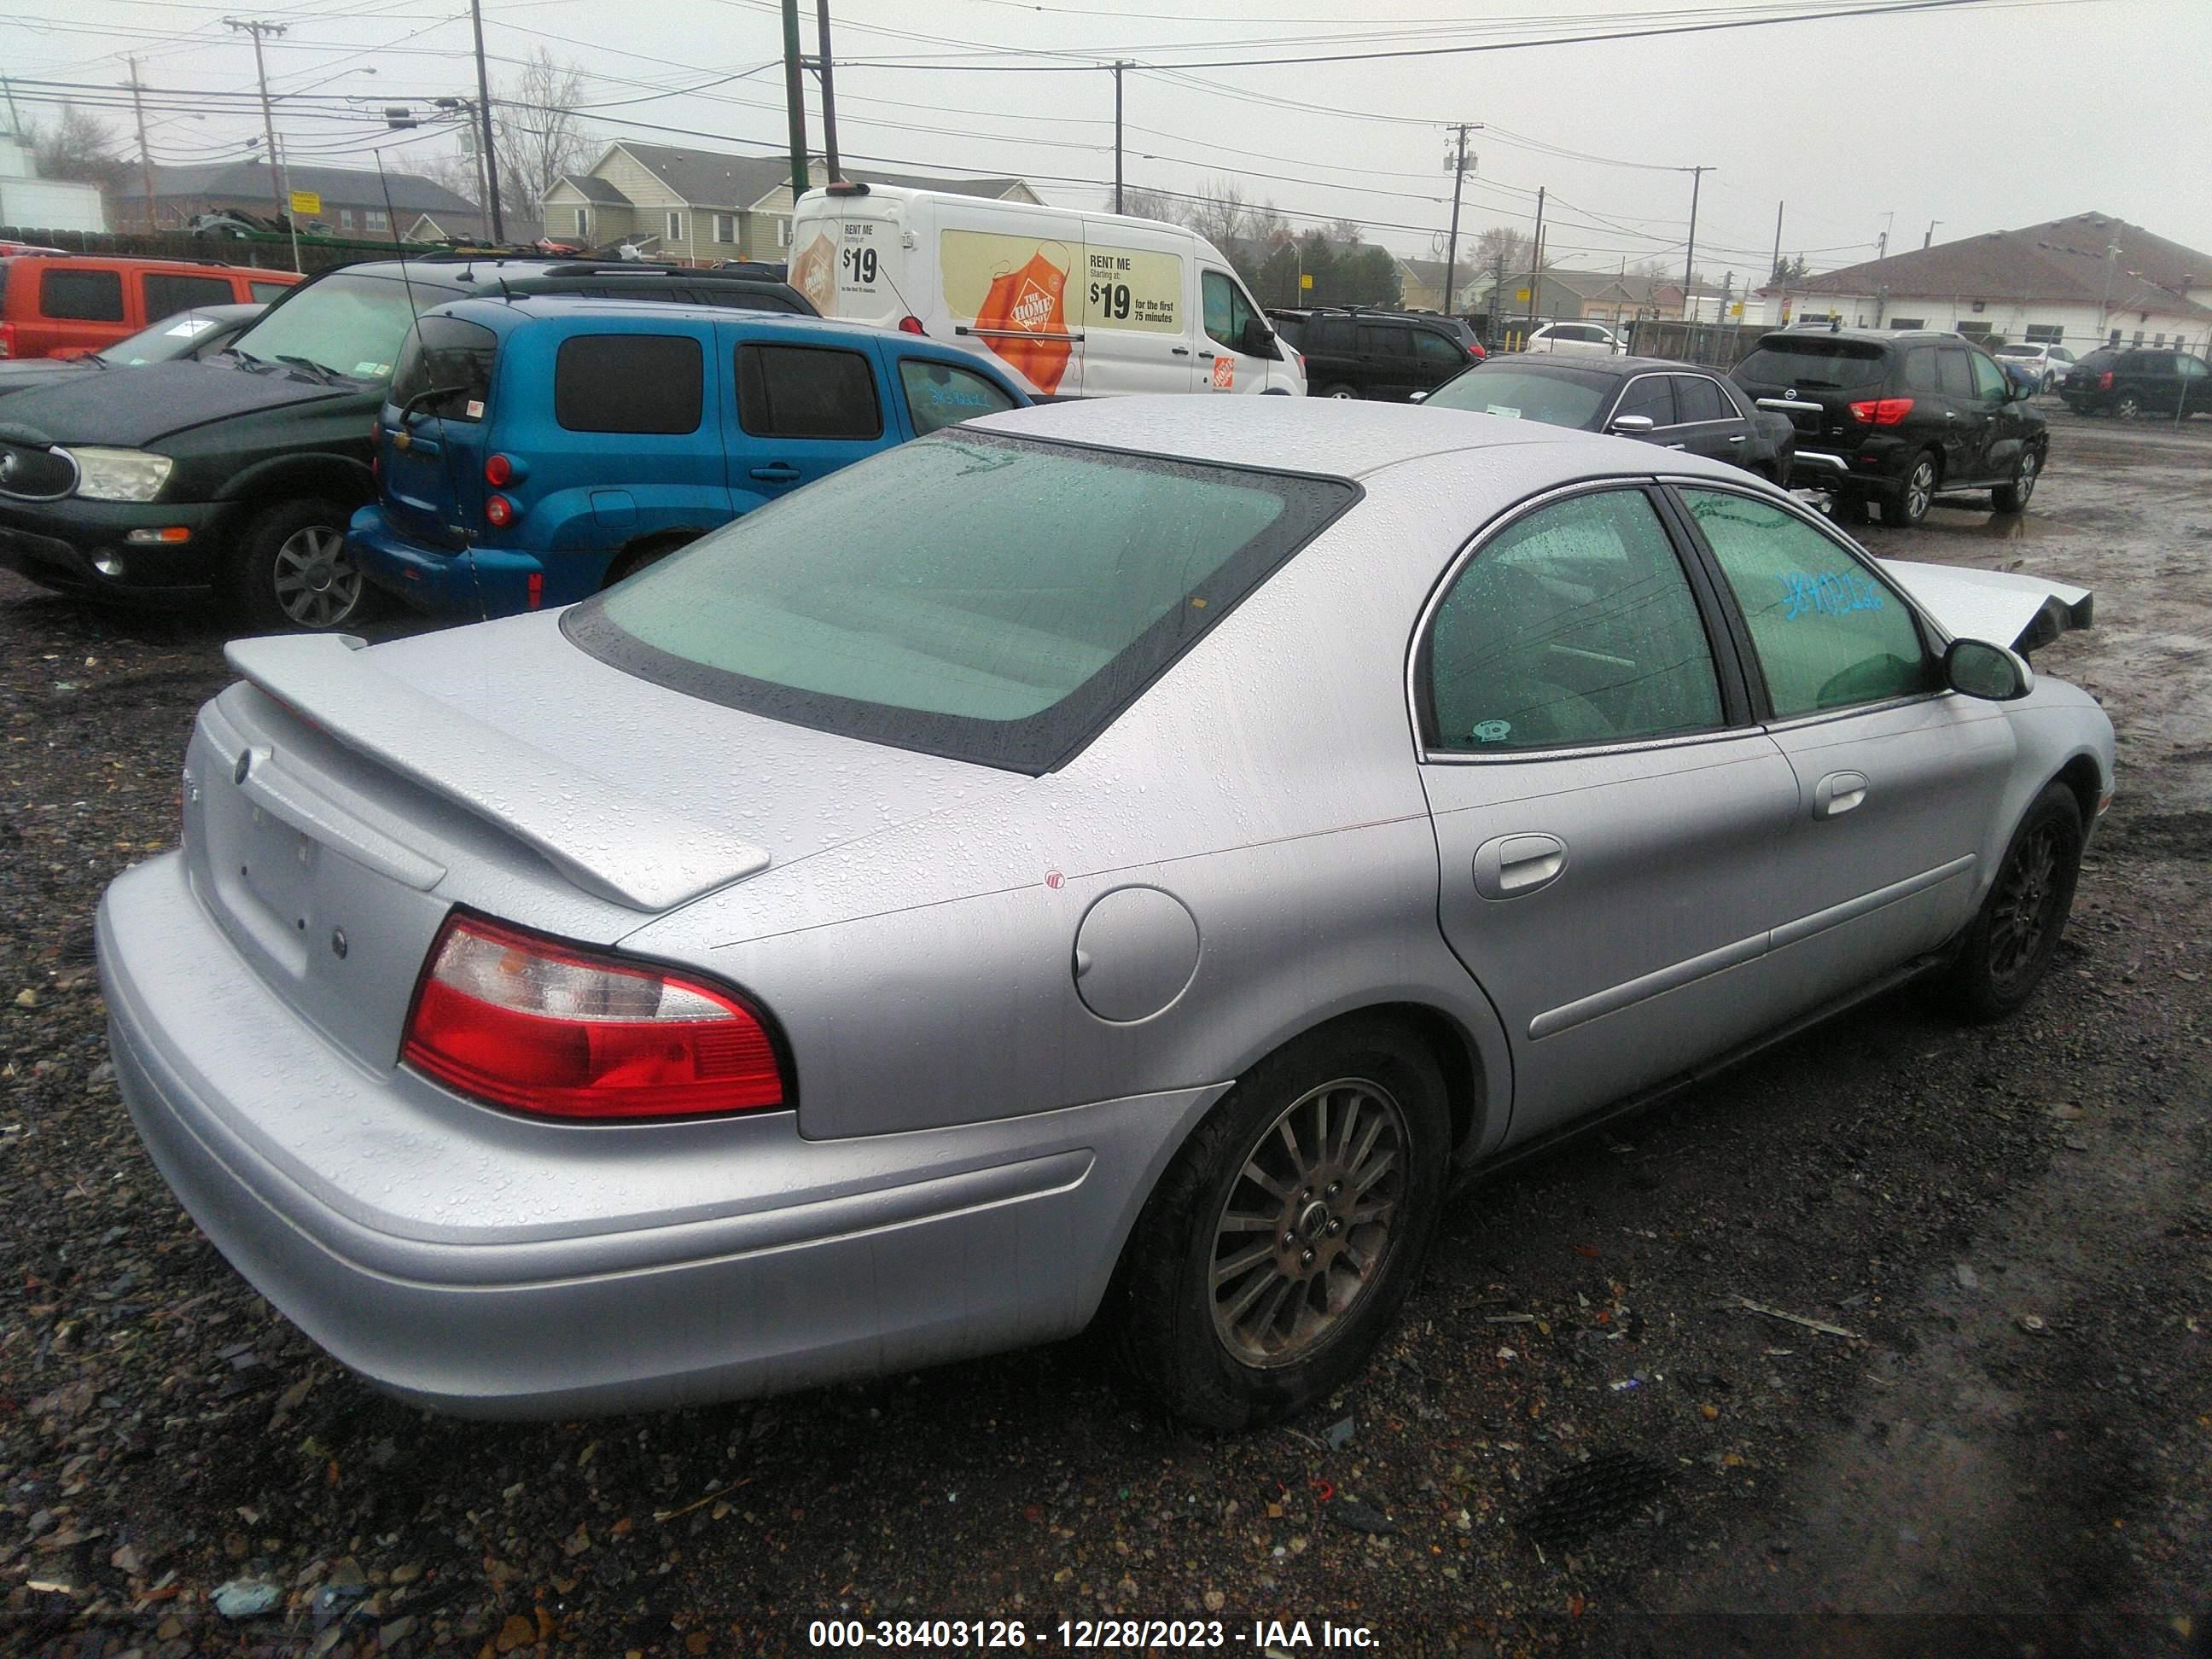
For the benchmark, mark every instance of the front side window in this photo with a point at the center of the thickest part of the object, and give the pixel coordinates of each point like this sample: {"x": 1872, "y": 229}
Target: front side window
{"x": 1575, "y": 626}
{"x": 992, "y": 599}
{"x": 938, "y": 395}
{"x": 1652, "y": 396}
{"x": 82, "y": 296}
{"x": 1227, "y": 310}
{"x": 628, "y": 383}
{"x": 1988, "y": 379}
{"x": 806, "y": 392}
{"x": 167, "y": 295}
{"x": 1828, "y": 631}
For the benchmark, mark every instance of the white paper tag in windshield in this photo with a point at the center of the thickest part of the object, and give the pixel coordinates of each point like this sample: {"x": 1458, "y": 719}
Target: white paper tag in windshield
{"x": 371, "y": 371}
{"x": 1500, "y": 409}
{"x": 190, "y": 326}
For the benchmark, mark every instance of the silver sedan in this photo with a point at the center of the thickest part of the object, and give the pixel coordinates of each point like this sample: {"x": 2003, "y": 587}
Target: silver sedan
{"x": 1117, "y": 860}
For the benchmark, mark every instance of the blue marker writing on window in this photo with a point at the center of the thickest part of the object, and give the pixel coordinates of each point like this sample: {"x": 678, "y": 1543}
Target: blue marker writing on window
{"x": 1829, "y": 594}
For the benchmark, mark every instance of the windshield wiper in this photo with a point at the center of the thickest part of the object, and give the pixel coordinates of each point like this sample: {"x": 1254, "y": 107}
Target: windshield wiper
{"x": 315, "y": 370}
{"x": 246, "y": 360}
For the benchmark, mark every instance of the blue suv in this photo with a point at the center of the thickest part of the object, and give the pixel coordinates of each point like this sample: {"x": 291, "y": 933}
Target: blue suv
{"x": 533, "y": 450}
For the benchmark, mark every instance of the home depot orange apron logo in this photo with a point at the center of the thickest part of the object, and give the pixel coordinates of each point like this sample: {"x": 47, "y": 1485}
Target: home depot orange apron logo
{"x": 1025, "y": 313}
{"x": 1225, "y": 373}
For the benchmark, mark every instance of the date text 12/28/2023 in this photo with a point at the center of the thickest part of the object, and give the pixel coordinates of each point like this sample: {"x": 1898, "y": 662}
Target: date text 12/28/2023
{"x": 1257, "y": 1636}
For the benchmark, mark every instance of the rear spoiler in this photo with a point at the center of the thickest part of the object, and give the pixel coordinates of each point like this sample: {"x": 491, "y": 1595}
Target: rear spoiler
{"x": 2001, "y": 606}
{"x": 604, "y": 838}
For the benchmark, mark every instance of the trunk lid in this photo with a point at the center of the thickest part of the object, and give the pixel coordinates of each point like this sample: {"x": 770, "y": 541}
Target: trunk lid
{"x": 343, "y": 800}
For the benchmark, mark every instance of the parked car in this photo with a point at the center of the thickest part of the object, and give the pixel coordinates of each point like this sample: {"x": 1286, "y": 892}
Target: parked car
{"x": 1677, "y": 405}
{"x": 2128, "y": 383}
{"x": 2049, "y": 363}
{"x": 1900, "y": 420}
{"x": 1576, "y": 337}
{"x": 994, "y": 888}
{"x": 532, "y": 452}
{"x": 237, "y": 476}
{"x": 1077, "y": 303}
{"x": 1382, "y": 356}
{"x": 198, "y": 333}
{"x": 86, "y": 301}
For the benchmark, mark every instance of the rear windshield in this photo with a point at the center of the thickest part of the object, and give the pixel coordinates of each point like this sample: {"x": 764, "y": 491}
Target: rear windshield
{"x": 1816, "y": 364}
{"x": 447, "y": 363}
{"x": 986, "y": 598}
{"x": 1557, "y": 397}
{"x": 2020, "y": 351}
{"x": 2100, "y": 360}
{"x": 348, "y": 322}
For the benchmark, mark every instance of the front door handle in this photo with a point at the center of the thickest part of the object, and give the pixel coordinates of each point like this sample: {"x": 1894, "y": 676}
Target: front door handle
{"x": 1838, "y": 792}
{"x": 1205, "y": 356}
{"x": 1508, "y": 867}
{"x": 777, "y": 472}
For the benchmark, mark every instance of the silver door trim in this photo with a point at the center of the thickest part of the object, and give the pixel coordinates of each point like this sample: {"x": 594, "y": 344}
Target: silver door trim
{"x": 1630, "y": 992}
{"x": 1795, "y": 933}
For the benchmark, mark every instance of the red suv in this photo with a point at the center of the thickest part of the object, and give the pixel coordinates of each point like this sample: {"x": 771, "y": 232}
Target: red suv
{"x": 62, "y": 305}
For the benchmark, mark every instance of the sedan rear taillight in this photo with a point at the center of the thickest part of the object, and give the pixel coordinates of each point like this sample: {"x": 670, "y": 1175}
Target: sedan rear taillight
{"x": 542, "y": 1026}
{"x": 1882, "y": 411}
{"x": 6, "y": 339}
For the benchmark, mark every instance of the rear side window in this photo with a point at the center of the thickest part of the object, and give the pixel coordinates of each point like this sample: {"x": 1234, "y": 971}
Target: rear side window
{"x": 83, "y": 296}
{"x": 1435, "y": 349}
{"x": 1920, "y": 374}
{"x": 629, "y": 383}
{"x": 1380, "y": 340}
{"x": 806, "y": 392}
{"x": 1331, "y": 334}
{"x": 1957, "y": 371}
{"x": 1816, "y": 364}
{"x": 1698, "y": 399}
{"x": 1828, "y": 632}
{"x": 167, "y": 295}
{"x": 447, "y": 363}
{"x": 938, "y": 395}
{"x": 268, "y": 294}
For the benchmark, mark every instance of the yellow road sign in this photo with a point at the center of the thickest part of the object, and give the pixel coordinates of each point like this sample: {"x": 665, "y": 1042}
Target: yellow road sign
{"x": 1305, "y": 279}
{"x": 306, "y": 204}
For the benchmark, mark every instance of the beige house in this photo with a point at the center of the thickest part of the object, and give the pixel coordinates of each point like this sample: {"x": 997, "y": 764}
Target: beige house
{"x": 696, "y": 206}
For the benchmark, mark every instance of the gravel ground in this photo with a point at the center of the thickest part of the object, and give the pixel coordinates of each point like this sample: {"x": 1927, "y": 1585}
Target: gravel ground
{"x": 1998, "y": 1434}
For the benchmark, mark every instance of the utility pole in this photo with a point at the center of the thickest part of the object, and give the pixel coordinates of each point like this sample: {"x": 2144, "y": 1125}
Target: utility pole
{"x": 145, "y": 155}
{"x": 256, "y": 27}
{"x": 1777, "y": 265}
{"x": 1119, "y": 65}
{"x": 2105, "y": 304}
{"x": 1930, "y": 236}
{"x": 1690, "y": 255}
{"x": 829, "y": 89}
{"x": 15, "y": 121}
{"x": 483, "y": 118}
{"x": 1537, "y": 257}
{"x": 794, "y": 102}
{"x": 1451, "y": 245}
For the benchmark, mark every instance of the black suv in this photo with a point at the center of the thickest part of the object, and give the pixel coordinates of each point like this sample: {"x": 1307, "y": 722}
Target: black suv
{"x": 2138, "y": 382}
{"x": 1382, "y": 355}
{"x": 1899, "y": 419}
{"x": 237, "y": 474}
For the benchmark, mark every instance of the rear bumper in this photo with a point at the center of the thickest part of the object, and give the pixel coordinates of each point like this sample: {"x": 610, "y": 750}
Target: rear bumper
{"x": 1875, "y": 467}
{"x": 815, "y": 1261}
{"x": 475, "y": 582}
{"x": 58, "y": 545}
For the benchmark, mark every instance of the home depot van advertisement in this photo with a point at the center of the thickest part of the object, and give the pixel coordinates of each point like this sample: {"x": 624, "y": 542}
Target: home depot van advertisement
{"x": 1016, "y": 294}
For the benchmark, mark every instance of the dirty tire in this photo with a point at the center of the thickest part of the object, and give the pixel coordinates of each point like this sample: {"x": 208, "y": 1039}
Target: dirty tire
{"x": 1340, "y": 389}
{"x": 2013, "y": 497}
{"x": 628, "y": 564}
{"x": 1914, "y": 499}
{"x": 289, "y": 572}
{"x": 1175, "y": 1335}
{"x": 2015, "y": 934}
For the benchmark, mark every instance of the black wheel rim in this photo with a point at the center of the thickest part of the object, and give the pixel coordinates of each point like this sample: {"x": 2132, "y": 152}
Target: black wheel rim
{"x": 1309, "y": 1223}
{"x": 2024, "y": 913}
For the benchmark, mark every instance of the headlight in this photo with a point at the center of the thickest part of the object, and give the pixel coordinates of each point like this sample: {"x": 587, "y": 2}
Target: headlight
{"x": 120, "y": 475}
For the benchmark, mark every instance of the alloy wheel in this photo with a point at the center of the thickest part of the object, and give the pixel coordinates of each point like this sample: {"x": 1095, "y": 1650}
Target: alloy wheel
{"x": 2024, "y": 477}
{"x": 1919, "y": 491}
{"x": 1309, "y": 1222}
{"x": 2027, "y": 899}
{"x": 2127, "y": 407}
{"x": 316, "y": 584}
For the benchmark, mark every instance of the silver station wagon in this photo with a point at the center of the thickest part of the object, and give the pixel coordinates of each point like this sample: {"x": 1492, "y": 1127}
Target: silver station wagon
{"x": 1120, "y": 859}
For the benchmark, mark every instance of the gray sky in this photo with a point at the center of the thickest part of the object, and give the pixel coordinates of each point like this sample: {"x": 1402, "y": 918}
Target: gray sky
{"x": 1984, "y": 117}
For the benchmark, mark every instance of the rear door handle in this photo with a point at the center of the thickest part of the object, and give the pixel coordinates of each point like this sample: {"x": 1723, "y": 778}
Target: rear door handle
{"x": 1180, "y": 351}
{"x": 1738, "y": 439}
{"x": 777, "y": 472}
{"x": 1507, "y": 866}
{"x": 1838, "y": 794}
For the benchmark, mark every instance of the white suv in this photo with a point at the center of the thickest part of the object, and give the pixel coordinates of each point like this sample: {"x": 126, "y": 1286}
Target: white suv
{"x": 2049, "y": 362}
{"x": 1576, "y": 337}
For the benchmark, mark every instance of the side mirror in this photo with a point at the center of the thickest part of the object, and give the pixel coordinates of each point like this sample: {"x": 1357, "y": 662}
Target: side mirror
{"x": 2022, "y": 391}
{"x": 1259, "y": 340}
{"x": 1416, "y": 397}
{"x": 1632, "y": 425}
{"x": 1975, "y": 668}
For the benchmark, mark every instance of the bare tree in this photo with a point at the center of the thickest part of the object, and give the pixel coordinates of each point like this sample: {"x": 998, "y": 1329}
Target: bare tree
{"x": 1220, "y": 214}
{"x": 1149, "y": 205}
{"x": 80, "y": 146}
{"x": 538, "y": 133}
{"x": 1501, "y": 241}
{"x": 1344, "y": 233}
{"x": 449, "y": 169}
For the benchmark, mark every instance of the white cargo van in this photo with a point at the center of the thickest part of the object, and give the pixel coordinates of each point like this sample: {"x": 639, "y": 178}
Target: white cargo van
{"x": 1078, "y": 304}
